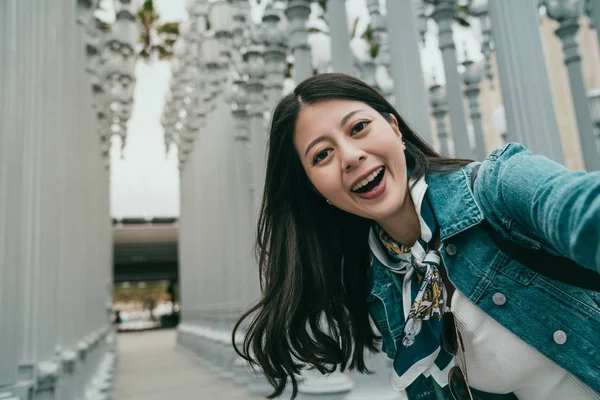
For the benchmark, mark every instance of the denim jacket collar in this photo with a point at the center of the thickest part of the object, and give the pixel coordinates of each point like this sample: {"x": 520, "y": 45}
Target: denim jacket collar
{"x": 453, "y": 202}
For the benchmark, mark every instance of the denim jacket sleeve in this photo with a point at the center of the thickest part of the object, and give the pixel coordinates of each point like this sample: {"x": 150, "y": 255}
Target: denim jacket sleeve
{"x": 542, "y": 202}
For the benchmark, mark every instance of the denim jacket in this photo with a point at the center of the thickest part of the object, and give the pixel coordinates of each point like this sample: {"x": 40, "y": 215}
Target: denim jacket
{"x": 536, "y": 203}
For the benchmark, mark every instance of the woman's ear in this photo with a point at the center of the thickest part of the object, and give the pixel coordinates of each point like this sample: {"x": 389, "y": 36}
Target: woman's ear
{"x": 394, "y": 123}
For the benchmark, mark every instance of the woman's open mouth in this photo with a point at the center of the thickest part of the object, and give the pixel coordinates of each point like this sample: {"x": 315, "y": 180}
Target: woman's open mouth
{"x": 371, "y": 186}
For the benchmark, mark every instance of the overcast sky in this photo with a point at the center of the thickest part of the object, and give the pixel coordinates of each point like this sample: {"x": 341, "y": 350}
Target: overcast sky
{"x": 145, "y": 183}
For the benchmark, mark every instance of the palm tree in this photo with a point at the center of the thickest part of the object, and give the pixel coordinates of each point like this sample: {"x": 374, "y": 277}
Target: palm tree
{"x": 156, "y": 39}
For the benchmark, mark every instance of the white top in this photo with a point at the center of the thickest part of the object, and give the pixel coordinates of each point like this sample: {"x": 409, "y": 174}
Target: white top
{"x": 498, "y": 361}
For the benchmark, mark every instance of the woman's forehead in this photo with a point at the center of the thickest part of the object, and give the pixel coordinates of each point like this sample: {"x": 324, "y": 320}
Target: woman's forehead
{"x": 332, "y": 105}
{"x": 326, "y": 113}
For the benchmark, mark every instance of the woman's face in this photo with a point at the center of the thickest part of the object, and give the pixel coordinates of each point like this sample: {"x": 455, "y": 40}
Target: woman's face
{"x": 353, "y": 156}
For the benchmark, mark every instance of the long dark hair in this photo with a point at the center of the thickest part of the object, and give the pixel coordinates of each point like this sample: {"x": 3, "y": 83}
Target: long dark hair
{"x": 313, "y": 258}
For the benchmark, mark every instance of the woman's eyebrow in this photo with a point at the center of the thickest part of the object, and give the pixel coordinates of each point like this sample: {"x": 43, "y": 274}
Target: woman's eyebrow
{"x": 348, "y": 116}
{"x": 322, "y": 137}
{"x": 313, "y": 143}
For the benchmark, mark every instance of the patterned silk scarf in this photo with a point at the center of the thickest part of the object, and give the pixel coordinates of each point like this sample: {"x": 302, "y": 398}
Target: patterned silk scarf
{"x": 423, "y": 296}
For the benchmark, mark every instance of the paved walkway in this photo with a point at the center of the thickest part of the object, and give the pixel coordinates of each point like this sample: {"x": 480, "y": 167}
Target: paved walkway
{"x": 151, "y": 368}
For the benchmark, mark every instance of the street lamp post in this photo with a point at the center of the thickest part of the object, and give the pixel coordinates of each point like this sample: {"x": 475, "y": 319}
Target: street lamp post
{"x": 526, "y": 93}
{"x": 443, "y": 15}
{"x": 567, "y": 13}
{"x": 594, "y": 99}
{"x": 297, "y": 13}
{"x": 439, "y": 110}
{"x": 471, "y": 78}
{"x": 592, "y": 9}
{"x": 410, "y": 93}
{"x": 274, "y": 55}
{"x": 341, "y": 55}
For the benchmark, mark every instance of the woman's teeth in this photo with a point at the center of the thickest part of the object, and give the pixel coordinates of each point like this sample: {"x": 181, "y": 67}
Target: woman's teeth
{"x": 368, "y": 179}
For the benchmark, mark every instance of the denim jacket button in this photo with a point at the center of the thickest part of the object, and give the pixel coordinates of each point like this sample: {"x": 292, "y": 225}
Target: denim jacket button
{"x": 451, "y": 249}
{"x": 560, "y": 337}
{"x": 499, "y": 299}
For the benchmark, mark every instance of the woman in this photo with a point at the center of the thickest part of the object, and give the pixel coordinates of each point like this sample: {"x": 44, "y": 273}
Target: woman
{"x": 362, "y": 221}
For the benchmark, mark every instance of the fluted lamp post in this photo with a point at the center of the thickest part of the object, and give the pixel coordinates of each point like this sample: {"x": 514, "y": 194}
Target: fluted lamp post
{"x": 594, "y": 99}
{"x": 96, "y": 44}
{"x": 117, "y": 64}
{"x": 211, "y": 53}
{"x": 443, "y": 14}
{"x": 471, "y": 78}
{"x": 104, "y": 134}
{"x": 524, "y": 82}
{"x": 93, "y": 41}
{"x": 479, "y": 9}
{"x": 410, "y": 92}
{"x": 592, "y": 9}
{"x": 221, "y": 17}
{"x": 567, "y": 13}
{"x": 297, "y": 13}
{"x": 368, "y": 68}
{"x": 499, "y": 123}
{"x": 421, "y": 19}
{"x": 341, "y": 55}
{"x": 275, "y": 55}
{"x": 253, "y": 55}
{"x": 177, "y": 97}
{"x": 381, "y": 37}
{"x": 439, "y": 109}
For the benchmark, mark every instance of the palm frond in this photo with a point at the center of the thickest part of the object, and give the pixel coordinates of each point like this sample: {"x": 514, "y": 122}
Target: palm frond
{"x": 462, "y": 21}
{"x": 169, "y": 27}
{"x": 354, "y": 25}
{"x": 163, "y": 52}
{"x": 144, "y": 53}
{"x": 368, "y": 33}
{"x": 373, "y": 49}
{"x": 317, "y": 30}
{"x": 157, "y": 39}
{"x": 148, "y": 6}
{"x": 288, "y": 70}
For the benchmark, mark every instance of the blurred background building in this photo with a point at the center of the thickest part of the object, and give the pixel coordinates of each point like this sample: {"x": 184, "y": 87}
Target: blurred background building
{"x": 132, "y": 154}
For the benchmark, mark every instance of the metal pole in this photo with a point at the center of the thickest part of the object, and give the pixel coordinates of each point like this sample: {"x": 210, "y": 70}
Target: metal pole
{"x": 471, "y": 79}
{"x": 567, "y": 15}
{"x": 410, "y": 92}
{"x": 593, "y": 9}
{"x": 341, "y": 56}
{"x": 297, "y": 13}
{"x": 523, "y": 78}
{"x": 443, "y": 15}
{"x": 439, "y": 111}
{"x": 12, "y": 83}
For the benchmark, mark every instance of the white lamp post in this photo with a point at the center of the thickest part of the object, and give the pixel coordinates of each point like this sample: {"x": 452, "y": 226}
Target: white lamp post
{"x": 594, "y": 97}
{"x": 499, "y": 123}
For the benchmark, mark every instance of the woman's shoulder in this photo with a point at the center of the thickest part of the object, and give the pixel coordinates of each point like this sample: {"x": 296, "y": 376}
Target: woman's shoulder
{"x": 508, "y": 150}
{"x": 515, "y": 163}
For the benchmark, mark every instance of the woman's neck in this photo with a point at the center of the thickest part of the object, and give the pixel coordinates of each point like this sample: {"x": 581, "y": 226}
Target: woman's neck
{"x": 404, "y": 226}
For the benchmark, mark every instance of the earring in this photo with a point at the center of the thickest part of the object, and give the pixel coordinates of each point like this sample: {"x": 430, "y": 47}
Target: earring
{"x": 328, "y": 202}
{"x": 404, "y": 145}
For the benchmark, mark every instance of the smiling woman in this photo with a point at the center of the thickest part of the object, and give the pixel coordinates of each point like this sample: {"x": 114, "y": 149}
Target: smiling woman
{"x": 354, "y": 157}
{"x": 363, "y": 221}
{"x": 326, "y": 137}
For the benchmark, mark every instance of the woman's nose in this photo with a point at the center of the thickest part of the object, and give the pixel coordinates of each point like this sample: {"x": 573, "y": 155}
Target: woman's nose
{"x": 352, "y": 158}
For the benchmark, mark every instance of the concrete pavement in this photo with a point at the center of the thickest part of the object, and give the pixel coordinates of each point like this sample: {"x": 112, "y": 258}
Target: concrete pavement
{"x": 150, "y": 367}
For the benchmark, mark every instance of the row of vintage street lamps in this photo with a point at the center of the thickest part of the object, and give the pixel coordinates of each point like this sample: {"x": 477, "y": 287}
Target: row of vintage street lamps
{"x": 62, "y": 84}
{"x": 229, "y": 72}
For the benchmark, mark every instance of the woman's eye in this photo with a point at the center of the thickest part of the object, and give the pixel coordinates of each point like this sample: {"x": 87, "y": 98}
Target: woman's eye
{"x": 320, "y": 156}
{"x": 359, "y": 127}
